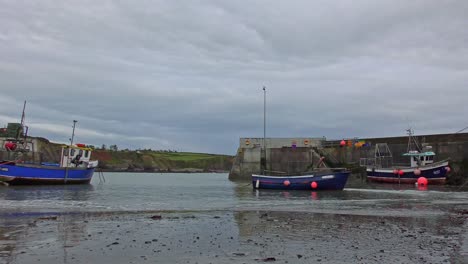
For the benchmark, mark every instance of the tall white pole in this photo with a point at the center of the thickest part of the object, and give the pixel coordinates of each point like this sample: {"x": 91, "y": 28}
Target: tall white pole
{"x": 264, "y": 129}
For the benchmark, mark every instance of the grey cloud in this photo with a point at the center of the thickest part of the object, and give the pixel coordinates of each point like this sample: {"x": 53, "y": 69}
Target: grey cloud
{"x": 188, "y": 76}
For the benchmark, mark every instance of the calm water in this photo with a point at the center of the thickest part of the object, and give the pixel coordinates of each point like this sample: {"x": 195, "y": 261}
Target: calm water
{"x": 207, "y": 192}
{"x": 205, "y": 218}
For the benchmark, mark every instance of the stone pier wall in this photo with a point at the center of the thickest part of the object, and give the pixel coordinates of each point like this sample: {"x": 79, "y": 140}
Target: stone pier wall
{"x": 294, "y": 155}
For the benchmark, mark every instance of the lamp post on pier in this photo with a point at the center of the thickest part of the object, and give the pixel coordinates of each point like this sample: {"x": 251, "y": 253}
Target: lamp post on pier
{"x": 263, "y": 158}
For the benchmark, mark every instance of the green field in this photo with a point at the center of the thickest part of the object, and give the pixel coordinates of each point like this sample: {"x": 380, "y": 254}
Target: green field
{"x": 161, "y": 161}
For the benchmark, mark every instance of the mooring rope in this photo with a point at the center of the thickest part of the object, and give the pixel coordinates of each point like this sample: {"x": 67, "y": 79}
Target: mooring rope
{"x": 9, "y": 161}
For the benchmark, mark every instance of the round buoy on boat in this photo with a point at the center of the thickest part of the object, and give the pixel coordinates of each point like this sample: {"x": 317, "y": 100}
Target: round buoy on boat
{"x": 447, "y": 169}
{"x": 422, "y": 181}
{"x": 417, "y": 172}
{"x": 342, "y": 143}
{"x": 401, "y": 172}
{"x": 286, "y": 183}
{"x": 395, "y": 171}
{"x": 314, "y": 185}
{"x": 10, "y": 146}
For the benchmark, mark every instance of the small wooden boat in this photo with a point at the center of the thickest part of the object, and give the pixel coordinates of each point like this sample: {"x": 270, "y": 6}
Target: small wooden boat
{"x": 315, "y": 181}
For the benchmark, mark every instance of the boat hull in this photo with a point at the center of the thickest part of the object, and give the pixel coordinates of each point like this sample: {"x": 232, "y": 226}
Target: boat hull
{"x": 435, "y": 174}
{"x": 329, "y": 181}
{"x": 35, "y": 175}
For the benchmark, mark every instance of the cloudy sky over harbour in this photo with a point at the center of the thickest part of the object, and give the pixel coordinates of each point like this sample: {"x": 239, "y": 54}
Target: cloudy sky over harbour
{"x": 188, "y": 75}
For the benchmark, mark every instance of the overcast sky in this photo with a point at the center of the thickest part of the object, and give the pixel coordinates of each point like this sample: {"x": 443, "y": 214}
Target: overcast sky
{"x": 188, "y": 75}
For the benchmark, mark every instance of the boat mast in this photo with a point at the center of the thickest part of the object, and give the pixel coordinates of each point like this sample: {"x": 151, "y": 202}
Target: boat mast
{"x": 71, "y": 144}
{"x": 412, "y": 140}
{"x": 18, "y": 134}
{"x": 73, "y": 133}
{"x": 22, "y": 115}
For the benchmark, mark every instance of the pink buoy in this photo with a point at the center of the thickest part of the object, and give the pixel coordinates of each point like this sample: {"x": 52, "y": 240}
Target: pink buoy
{"x": 286, "y": 183}
{"x": 417, "y": 172}
{"x": 314, "y": 185}
{"x": 395, "y": 171}
{"x": 422, "y": 181}
{"x": 401, "y": 172}
{"x": 342, "y": 143}
{"x": 447, "y": 169}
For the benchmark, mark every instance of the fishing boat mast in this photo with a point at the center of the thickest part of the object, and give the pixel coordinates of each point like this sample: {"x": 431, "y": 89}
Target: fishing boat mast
{"x": 23, "y": 114}
{"x": 71, "y": 144}
{"x": 73, "y": 133}
{"x": 412, "y": 140}
{"x": 23, "y": 132}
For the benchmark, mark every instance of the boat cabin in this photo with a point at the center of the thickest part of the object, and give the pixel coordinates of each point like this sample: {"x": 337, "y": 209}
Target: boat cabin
{"x": 76, "y": 156}
{"x": 420, "y": 158}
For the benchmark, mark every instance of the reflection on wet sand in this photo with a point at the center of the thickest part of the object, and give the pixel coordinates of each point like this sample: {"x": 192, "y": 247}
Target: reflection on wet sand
{"x": 10, "y": 233}
{"x": 42, "y": 192}
{"x": 355, "y": 238}
{"x": 26, "y": 236}
{"x": 18, "y": 229}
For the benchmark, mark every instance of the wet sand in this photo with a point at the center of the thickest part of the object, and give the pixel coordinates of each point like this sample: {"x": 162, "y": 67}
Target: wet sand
{"x": 232, "y": 236}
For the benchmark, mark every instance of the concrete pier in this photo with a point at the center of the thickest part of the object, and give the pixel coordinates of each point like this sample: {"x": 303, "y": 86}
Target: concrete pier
{"x": 295, "y": 155}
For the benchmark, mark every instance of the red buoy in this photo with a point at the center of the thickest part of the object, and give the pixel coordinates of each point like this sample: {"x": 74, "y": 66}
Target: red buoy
{"x": 401, "y": 172}
{"x": 286, "y": 183}
{"x": 447, "y": 169}
{"x": 314, "y": 185}
{"x": 342, "y": 143}
{"x": 417, "y": 172}
{"x": 10, "y": 146}
{"x": 422, "y": 181}
{"x": 395, "y": 171}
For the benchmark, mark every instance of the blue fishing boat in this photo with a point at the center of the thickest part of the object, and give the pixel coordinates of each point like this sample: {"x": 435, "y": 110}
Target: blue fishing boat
{"x": 381, "y": 167}
{"x": 21, "y": 165}
{"x": 316, "y": 181}
{"x": 73, "y": 169}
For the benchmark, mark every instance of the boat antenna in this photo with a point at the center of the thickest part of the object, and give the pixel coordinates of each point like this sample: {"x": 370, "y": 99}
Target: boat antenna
{"x": 264, "y": 130}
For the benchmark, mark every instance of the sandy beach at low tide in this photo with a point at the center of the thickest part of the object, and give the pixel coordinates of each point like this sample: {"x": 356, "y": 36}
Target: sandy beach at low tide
{"x": 232, "y": 237}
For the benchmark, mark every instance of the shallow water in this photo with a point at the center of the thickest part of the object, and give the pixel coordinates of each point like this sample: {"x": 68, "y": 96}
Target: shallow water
{"x": 208, "y": 191}
{"x": 203, "y": 218}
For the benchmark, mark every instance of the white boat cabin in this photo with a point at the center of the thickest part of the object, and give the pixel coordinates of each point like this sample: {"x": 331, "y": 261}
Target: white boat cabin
{"x": 419, "y": 159}
{"x": 77, "y": 156}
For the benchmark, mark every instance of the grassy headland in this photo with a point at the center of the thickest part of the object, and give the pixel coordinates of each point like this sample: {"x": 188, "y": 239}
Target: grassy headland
{"x": 144, "y": 160}
{"x": 161, "y": 161}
